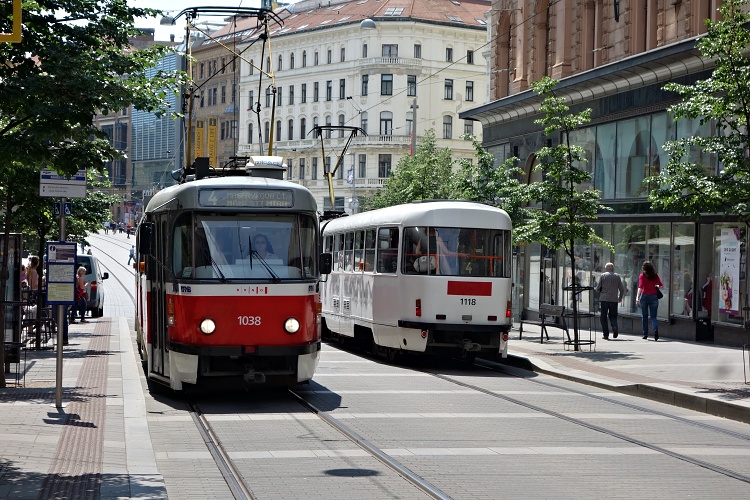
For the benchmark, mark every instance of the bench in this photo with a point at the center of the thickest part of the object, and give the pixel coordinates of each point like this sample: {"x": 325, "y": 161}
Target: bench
{"x": 547, "y": 315}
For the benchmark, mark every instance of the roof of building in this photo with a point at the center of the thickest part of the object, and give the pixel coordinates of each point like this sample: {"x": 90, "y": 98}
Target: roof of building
{"x": 312, "y": 15}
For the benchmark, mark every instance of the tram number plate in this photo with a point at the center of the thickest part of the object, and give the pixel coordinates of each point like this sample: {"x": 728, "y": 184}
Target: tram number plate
{"x": 248, "y": 320}
{"x": 468, "y": 301}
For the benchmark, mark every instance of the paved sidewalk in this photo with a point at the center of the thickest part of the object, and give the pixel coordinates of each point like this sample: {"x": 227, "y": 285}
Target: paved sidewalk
{"x": 97, "y": 445}
{"x": 699, "y": 376}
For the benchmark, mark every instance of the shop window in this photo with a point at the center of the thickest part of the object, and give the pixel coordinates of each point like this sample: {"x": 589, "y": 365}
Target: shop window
{"x": 730, "y": 265}
{"x": 683, "y": 295}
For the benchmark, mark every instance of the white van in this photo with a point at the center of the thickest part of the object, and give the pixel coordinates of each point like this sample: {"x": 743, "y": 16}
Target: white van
{"x": 94, "y": 284}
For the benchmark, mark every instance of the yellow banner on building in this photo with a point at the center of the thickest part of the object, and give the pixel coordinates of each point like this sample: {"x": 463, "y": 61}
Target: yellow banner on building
{"x": 212, "y": 158}
{"x": 200, "y": 139}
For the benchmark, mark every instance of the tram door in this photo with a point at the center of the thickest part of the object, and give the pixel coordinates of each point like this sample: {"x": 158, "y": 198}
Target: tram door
{"x": 160, "y": 361}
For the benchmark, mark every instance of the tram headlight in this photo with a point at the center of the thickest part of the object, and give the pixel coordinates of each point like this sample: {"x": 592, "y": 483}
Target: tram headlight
{"x": 208, "y": 326}
{"x": 291, "y": 325}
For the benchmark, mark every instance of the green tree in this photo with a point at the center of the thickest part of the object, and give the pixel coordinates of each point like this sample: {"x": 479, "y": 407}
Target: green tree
{"x": 499, "y": 186}
{"x": 691, "y": 187}
{"x": 424, "y": 176}
{"x": 564, "y": 216}
{"x": 74, "y": 61}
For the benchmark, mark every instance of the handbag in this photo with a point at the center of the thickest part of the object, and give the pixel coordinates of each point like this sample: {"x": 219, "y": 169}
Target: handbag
{"x": 659, "y": 295}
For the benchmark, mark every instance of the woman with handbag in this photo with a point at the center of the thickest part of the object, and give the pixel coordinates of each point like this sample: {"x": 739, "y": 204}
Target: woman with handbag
{"x": 648, "y": 297}
{"x": 81, "y": 297}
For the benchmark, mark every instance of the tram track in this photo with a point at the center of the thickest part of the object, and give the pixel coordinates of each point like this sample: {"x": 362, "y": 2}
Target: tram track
{"x": 603, "y": 430}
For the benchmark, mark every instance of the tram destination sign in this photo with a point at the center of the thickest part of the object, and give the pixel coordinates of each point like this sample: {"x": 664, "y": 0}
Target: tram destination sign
{"x": 246, "y": 198}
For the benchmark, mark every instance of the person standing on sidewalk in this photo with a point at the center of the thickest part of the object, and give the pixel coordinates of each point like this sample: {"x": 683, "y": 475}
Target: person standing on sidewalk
{"x": 81, "y": 297}
{"x": 648, "y": 283}
{"x": 610, "y": 290}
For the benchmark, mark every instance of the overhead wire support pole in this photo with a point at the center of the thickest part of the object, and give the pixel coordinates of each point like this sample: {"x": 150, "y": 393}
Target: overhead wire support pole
{"x": 317, "y": 131}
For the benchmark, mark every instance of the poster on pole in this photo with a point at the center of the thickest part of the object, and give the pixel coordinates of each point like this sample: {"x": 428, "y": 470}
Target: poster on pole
{"x": 729, "y": 271}
{"x": 61, "y": 273}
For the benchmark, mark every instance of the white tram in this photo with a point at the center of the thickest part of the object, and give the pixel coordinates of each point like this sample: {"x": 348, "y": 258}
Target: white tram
{"x": 228, "y": 283}
{"x": 423, "y": 277}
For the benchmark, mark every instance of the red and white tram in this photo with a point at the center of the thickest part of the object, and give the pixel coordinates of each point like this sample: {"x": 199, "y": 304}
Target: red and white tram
{"x": 423, "y": 277}
{"x": 228, "y": 283}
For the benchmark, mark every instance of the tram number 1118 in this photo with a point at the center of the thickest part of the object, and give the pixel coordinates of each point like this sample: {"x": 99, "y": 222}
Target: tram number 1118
{"x": 468, "y": 302}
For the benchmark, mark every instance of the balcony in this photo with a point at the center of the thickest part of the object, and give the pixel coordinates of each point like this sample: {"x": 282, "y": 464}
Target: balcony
{"x": 390, "y": 62}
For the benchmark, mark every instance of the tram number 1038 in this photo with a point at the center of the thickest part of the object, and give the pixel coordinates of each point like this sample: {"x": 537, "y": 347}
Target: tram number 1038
{"x": 468, "y": 302}
{"x": 248, "y": 320}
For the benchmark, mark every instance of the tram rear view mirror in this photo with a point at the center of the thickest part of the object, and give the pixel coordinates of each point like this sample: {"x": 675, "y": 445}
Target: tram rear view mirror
{"x": 145, "y": 237}
{"x": 326, "y": 263}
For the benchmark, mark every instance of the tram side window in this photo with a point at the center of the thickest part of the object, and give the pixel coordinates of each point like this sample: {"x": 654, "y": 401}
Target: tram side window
{"x": 339, "y": 251}
{"x": 413, "y": 237}
{"x": 387, "y": 246}
{"x": 359, "y": 251}
{"x": 370, "y": 250}
{"x": 502, "y": 253}
{"x": 348, "y": 251}
{"x": 328, "y": 244}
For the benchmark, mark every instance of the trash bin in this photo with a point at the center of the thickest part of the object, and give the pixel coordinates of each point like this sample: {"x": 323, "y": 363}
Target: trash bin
{"x": 704, "y": 332}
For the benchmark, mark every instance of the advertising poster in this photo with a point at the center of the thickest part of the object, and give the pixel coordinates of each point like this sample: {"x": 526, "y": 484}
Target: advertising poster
{"x": 729, "y": 271}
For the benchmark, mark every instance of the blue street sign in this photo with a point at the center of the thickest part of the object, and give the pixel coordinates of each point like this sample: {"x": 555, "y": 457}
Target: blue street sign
{"x": 67, "y": 209}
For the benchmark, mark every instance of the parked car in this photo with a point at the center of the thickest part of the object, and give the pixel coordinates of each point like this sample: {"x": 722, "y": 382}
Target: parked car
{"x": 95, "y": 284}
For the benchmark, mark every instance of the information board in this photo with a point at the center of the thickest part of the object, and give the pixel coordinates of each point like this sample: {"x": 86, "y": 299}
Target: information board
{"x": 61, "y": 272}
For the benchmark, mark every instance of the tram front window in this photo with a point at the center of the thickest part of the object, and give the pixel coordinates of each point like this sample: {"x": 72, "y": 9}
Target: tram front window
{"x": 244, "y": 246}
{"x": 450, "y": 251}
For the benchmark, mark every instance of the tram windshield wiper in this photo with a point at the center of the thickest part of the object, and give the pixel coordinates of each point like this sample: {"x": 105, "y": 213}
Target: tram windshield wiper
{"x": 216, "y": 267}
{"x": 274, "y": 277}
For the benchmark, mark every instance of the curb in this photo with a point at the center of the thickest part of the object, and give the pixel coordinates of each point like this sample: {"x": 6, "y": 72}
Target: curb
{"x": 654, "y": 392}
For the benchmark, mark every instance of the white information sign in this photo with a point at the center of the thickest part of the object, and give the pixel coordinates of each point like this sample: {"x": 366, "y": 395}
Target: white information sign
{"x": 54, "y": 185}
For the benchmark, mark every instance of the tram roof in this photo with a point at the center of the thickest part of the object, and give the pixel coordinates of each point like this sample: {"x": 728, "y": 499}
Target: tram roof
{"x": 434, "y": 213}
{"x": 187, "y": 193}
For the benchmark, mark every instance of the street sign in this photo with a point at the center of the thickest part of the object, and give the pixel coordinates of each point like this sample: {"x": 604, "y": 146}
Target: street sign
{"x": 52, "y": 184}
{"x": 67, "y": 209}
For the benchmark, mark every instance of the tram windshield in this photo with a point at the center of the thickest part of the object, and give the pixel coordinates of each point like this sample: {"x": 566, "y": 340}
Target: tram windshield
{"x": 244, "y": 246}
{"x": 450, "y": 251}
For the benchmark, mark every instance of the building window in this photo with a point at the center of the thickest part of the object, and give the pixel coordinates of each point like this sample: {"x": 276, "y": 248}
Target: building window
{"x": 291, "y": 95}
{"x": 386, "y": 123}
{"x": 448, "y": 90}
{"x": 278, "y": 96}
{"x": 329, "y": 56}
{"x": 363, "y": 121}
{"x": 252, "y": 67}
{"x": 468, "y": 127}
{"x": 268, "y": 97}
{"x": 315, "y": 122}
{"x": 223, "y": 65}
{"x": 303, "y": 97}
{"x": 278, "y": 130}
{"x": 267, "y": 131}
{"x": 290, "y": 130}
{"x": 365, "y": 81}
{"x": 469, "y": 91}
{"x": 202, "y": 71}
{"x": 249, "y": 133}
{"x": 250, "y": 99}
{"x": 314, "y": 169}
{"x": 268, "y": 64}
{"x": 469, "y": 57}
{"x": 315, "y": 61}
{"x": 280, "y": 63}
{"x": 384, "y": 166}
{"x": 411, "y": 85}
{"x": 328, "y": 125}
{"x": 417, "y": 51}
{"x": 302, "y": 128}
{"x": 447, "y": 127}
{"x": 390, "y": 50}
{"x": 343, "y": 54}
{"x": 291, "y": 60}
{"x": 302, "y": 168}
{"x": 316, "y": 92}
{"x": 362, "y": 166}
{"x": 364, "y": 50}
{"x": 448, "y": 54}
{"x": 409, "y": 121}
{"x": 342, "y": 88}
{"x": 329, "y": 90}
{"x": 341, "y": 124}
{"x": 386, "y": 84}
{"x": 304, "y": 58}
{"x": 233, "y": 129}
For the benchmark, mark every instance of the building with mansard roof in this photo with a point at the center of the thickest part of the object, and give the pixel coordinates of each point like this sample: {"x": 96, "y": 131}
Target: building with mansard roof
{"x": 330, "y": 68}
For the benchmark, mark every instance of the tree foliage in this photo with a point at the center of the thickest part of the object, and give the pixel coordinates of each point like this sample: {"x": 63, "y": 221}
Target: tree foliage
{"x": 499, "y": 186}
{"x": 687, "y": 186}
{"x": 424, "y": 176}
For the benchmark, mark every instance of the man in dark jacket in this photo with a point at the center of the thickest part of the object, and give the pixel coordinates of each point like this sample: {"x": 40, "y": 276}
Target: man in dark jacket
{"x": 610, "y": 290}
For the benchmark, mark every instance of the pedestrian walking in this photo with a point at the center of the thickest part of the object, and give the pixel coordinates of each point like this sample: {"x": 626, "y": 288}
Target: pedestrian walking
{"x": 81, "y": 297}
{"x": 132, "y": 254}
{"x": 648, "y": 298}
{"x": 611, "y": 291}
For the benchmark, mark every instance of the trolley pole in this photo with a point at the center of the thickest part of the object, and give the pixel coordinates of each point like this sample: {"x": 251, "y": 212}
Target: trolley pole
{"x": 60, "y": 322}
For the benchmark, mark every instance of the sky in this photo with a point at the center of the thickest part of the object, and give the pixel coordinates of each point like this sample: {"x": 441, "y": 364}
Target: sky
{"x": 176, "y": 6}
